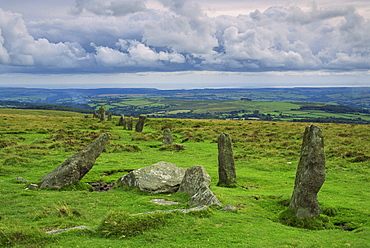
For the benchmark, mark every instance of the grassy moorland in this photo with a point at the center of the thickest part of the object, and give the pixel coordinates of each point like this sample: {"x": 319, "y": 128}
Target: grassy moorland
{"x": 32, "y": 143}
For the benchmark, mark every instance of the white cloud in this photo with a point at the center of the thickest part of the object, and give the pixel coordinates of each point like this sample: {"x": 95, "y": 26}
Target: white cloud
{"x": 175, "y": 35}
{"x": 21, "y": 49}
{"x": 108, "y": 7}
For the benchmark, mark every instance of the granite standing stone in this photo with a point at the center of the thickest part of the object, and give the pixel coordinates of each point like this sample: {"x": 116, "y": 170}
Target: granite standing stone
{"x": 121, "y": 121}
{"x": 140, "y": 124}
{"x": 226, "y": 165}
{"x": 310, "y": 174}
{"x": 167, "y": 137}
{"x": 75, "y": 167}
{"x": 129, "y": 123}
{"x": 102, "y": 113}
{"x": 110, "y": 116}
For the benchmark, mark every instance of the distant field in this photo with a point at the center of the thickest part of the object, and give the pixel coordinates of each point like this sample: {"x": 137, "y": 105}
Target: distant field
{"x": 226, "y": 109}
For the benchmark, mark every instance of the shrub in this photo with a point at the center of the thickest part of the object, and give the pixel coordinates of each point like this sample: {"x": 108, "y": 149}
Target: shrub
{"x": 78, "y": 186}
{"x": 18, "y": 235}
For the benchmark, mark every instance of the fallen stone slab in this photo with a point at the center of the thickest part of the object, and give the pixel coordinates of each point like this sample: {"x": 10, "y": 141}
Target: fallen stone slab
{"x": 198, "y": 208}
{"x": 164, "y": 202}
{"x": 68, "y": 229}
{"x": 75, "y": 168}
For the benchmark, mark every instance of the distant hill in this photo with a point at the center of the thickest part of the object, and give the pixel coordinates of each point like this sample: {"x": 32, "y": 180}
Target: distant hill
{"x": 357, "y": 97}
{"x": 338, "y": 105}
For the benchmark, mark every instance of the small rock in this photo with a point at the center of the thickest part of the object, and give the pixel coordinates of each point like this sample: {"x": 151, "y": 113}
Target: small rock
{"x": 21, "y": 179}
{"x": 229, "y": 207}
{"x": 33, "y": 186}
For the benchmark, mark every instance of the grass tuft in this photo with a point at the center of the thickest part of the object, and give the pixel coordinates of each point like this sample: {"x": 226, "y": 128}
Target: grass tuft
{"x": 11, "y": 236}
{"x": 288, "y": 218}
{"x": 120, "y": 224}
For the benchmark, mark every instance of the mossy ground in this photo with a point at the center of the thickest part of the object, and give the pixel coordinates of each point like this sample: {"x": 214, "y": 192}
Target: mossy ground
{"x": 266, "y": 156}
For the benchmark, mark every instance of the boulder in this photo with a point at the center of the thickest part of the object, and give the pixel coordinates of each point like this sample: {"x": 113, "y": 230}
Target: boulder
{"x": 75, "y": 168}
{"x": 204, "y": 196}
{"x": 162, "y": 177}
{"x": 310, "y": 174}
{"x": 196, "y": 184}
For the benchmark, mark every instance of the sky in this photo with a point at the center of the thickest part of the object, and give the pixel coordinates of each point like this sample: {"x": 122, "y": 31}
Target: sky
{"x": 179, "y": 44}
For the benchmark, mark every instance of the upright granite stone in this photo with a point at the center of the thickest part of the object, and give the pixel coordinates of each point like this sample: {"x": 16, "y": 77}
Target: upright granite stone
{"x": 129, "y": 123}
{"x": 167, "y": 137}
{"x": 95, "y": 114}
{"x": 226, "y": 165}
{"x": 162, "y": 177}
{"x": 110, "y": 116}
{"x": 102, "y": 113}
{"x": 140, "y": 124}
{"x": 310, "y": 174}
{"x": 122, "y": 121}
{"x": 196, "y": 184}
{"x": 75, "y": 168}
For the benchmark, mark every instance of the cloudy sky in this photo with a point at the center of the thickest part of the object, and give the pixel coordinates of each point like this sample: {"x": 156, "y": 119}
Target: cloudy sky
{"x": 184, "y": 44}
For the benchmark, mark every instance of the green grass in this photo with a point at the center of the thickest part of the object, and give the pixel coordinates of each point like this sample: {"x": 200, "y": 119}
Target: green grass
{"x": 266, "y": 156}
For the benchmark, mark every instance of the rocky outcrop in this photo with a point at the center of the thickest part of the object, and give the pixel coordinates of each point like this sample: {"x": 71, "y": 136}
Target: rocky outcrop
{"x": 162, "y": 177}
{"x": 310, "y": 174}
{"x": 75, "y": 167}
{"x": 196, "y": 184}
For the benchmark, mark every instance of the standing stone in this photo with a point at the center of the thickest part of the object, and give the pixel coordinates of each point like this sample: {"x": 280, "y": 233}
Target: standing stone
{"x": 140, "y": 124}
{"x": 75, "y": 167}
{"x": 129, "y": 123}
{"x": 226, "y": 165}
{"x": 95, "y": 114}
{"x": 167, "y": 137}
{"x": 121, "y": 121}
{"x": 310, "y": 174}
{"x": 196, "y": 184}
{"x": 102, "y": 113}
{"x": 124, "y": 123}
{"x": 110, "y": 116}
